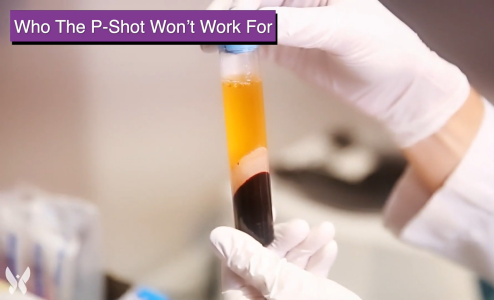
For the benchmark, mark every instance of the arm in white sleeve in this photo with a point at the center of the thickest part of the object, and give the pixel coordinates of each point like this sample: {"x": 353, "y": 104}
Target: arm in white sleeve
{"x": 457, "y": 221}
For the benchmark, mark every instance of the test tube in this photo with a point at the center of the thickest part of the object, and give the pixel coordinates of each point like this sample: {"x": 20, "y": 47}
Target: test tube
{"x": 246, "y": 139}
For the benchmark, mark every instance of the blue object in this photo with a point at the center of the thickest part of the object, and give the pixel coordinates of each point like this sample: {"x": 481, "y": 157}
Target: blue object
{"x": 237, "y": 49}
{"x": 487, "y": 290}
{"x": 148, "y": 294}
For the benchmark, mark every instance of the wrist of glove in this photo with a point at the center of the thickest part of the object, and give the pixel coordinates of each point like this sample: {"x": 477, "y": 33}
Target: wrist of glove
{"x": 294, "y": 266}
{"x": 358, "y": 51}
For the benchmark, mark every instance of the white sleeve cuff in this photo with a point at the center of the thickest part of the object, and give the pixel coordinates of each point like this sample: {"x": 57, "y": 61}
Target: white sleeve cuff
{"x": 458, "y": 220}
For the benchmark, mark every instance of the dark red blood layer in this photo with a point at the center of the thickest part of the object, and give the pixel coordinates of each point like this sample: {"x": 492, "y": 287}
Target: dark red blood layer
{"x": 253, "y": 208}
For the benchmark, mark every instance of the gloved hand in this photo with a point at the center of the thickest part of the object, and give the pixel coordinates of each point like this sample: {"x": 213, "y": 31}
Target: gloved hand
{"x": 293, "y": 267}
{"x": 359, "y": 51}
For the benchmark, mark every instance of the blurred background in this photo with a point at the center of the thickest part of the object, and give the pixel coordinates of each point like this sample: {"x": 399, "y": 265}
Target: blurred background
{"x": 138, "y": 132}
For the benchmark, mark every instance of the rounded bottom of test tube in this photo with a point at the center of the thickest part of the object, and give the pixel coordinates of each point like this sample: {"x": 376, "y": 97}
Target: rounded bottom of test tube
{"x": 251, "y": 189}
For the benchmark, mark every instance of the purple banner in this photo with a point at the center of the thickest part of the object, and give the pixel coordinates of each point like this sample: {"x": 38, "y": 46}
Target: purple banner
{"x": 144, "y": 26}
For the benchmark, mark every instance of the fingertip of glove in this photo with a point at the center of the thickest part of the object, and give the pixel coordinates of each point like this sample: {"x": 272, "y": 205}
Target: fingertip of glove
{"x": 301, "y": 225}
{"x": 332, "y": 248}
{"x": 328, "y": 228}
{"x": 295, "y": 228}
{"x": 331, "y": 251}
{"x": 219, "y": 233}
{"x": 220, "y": 238}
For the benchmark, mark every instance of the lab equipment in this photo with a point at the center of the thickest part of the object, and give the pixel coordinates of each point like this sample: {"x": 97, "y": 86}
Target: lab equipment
{"x": 247, "y": 143}
{"x": 52, "y": 243}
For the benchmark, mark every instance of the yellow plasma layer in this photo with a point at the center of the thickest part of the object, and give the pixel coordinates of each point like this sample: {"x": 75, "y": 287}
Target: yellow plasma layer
{"x": 245, "y": 127}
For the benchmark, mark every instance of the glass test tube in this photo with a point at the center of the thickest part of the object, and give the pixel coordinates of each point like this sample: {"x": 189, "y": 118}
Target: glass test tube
{"x": 247, "y": 144}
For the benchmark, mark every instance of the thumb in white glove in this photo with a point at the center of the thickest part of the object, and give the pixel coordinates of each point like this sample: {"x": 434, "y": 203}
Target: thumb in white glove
{"x": 359, "y": 51}
{"x": 294, "y": 266}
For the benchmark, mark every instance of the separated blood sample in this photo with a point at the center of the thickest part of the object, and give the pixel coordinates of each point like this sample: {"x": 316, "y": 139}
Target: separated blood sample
{"x": 247, "y": 143}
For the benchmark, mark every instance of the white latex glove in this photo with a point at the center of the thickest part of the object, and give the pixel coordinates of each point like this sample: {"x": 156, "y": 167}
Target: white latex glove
{"x": 359, "y": 51}
{"x": 293, "y": 267}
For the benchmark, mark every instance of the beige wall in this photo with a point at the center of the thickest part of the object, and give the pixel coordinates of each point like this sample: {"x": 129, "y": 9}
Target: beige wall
{"x": 138, "y": 130}
{"x": 41, "y": 113}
